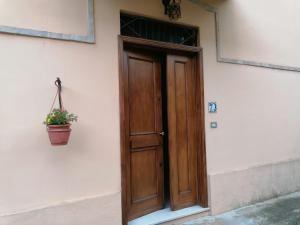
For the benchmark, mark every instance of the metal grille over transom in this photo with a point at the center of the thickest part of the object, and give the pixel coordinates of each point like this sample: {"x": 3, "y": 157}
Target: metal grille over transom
{"x": 143, "y": 27}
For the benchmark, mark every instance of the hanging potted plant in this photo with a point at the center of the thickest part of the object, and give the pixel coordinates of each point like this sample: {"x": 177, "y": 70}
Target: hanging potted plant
{"x": 58, "y": 121}
{"x": 59, "y": 126}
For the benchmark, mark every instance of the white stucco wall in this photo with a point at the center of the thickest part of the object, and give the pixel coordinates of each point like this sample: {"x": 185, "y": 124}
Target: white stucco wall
{"x": 258, "y": 114}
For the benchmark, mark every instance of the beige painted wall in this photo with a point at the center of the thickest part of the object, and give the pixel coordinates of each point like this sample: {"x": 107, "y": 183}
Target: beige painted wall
{"x": 258, "y": 114}
{"x": 268, "y": 26}
{"x": 54, "y": 16}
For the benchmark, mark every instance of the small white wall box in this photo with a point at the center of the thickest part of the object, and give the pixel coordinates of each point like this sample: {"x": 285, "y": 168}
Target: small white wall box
{"x": 213, "y": 125}
{"x": 212, "y": 107}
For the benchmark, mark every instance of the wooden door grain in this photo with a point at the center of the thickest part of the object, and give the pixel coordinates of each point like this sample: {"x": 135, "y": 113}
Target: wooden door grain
{"x": 144, "y": 157}
{"x": 181, "y": 79}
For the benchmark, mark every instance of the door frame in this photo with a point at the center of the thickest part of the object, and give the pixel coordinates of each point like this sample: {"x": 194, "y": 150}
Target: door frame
{"x": 125, "y": 41}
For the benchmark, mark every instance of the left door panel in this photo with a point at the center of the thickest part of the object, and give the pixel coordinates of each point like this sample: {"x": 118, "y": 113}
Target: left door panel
{"x": 143, "y": 115}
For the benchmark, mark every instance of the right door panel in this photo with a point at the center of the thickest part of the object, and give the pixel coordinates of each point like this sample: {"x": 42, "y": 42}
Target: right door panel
{"x": 181, "y": 79}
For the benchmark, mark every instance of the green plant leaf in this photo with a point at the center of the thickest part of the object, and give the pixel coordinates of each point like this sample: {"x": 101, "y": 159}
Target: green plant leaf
{"x": 58, "y": 117}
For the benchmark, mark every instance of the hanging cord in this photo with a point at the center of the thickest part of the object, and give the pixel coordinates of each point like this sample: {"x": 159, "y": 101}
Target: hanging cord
{"x": 58, "y": 93}
{"x": 58, "y": 85}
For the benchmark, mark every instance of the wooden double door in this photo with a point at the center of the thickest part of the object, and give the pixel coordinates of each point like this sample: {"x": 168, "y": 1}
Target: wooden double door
{"x": 146, "y": 135}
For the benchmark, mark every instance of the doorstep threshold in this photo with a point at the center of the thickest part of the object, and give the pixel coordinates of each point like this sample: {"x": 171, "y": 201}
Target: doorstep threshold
{"x": 167, "y": 215}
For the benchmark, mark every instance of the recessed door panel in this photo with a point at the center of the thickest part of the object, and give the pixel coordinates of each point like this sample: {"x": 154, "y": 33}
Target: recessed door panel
{"x": 142, "y": 103}
{"x": 144, "y": 175}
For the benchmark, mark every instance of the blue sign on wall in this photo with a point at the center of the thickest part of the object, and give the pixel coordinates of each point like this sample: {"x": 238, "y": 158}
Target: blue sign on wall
{"x": 212, "y": 107}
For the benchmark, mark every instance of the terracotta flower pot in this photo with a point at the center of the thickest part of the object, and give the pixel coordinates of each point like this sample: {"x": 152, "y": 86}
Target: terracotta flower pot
{"x": 59, "y": 134}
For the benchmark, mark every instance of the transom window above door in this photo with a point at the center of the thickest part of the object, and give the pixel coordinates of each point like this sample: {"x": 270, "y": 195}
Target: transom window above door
{"x": 147, "y": 28}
